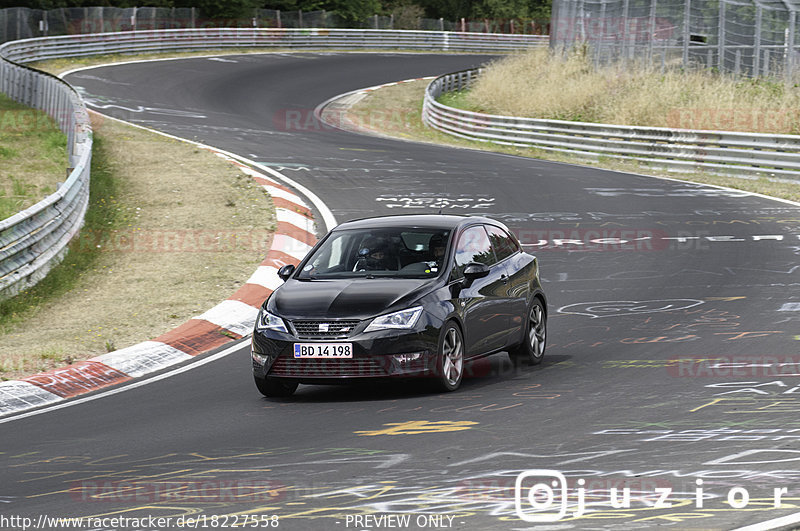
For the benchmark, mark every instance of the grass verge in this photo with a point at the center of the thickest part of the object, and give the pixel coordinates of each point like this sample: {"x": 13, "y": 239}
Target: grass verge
{"x": 396, "y": 111}
{"x": 33, "y": 156}
{"x": 171, "y": 230}
{"x": 536, "y": 84}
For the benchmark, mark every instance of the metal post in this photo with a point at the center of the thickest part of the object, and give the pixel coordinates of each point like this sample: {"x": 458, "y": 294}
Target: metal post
{"x": 721, "y": 37}
{"x": 757, "y": 42}
{"x": 625, "y": 10}
{"x": 602, "y": 33}
{"x": 279, "y": 19}
{"x": 652, "y": 32}
{"x": 441, "y": 24}
{"x": 790, "y": 43}
{"x": 737, "y": 64}
{"x": 375, "y": 21}
{"x": 687, "y": 8}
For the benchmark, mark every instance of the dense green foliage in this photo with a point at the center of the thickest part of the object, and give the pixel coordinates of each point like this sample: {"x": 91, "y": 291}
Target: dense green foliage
{"x": 349, "y": 9}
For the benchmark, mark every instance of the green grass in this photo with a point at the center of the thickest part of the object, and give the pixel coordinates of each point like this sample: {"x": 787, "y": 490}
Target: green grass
{"x": 102, "y": 214}
{"x": 456, "y": 99}
{"x": 33, "y": 156}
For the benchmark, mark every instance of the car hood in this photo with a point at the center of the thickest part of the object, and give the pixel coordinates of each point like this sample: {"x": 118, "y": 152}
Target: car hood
{"x": 345, "y": 299}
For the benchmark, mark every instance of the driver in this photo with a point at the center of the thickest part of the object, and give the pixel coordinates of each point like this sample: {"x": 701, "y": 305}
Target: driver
{"x": 373, "y": 256}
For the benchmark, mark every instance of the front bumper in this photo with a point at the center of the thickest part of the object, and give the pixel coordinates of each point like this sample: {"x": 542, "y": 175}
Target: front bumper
{"x": 380, "y": 354}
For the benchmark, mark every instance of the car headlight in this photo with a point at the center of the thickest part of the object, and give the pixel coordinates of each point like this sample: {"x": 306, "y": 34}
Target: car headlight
{"x": 398, "y": 320}
{"x": 268, "y": 321}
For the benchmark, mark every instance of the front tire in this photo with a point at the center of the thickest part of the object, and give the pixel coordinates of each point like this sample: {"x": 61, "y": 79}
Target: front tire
{"x": 531, "y": 350}
{"x": 450, "y": 359}
{"x": 275, "y": 387}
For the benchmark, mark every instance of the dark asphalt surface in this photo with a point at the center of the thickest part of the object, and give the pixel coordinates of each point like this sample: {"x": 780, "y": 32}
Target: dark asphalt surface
{"x": 634, "y": 391}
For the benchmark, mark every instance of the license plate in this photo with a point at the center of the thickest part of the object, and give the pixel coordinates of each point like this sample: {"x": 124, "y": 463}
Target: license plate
{"x": 323, "y": 350}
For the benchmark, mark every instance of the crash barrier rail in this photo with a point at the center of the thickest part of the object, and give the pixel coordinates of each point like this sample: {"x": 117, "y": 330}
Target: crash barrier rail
{"x": 155, "y": 41}
{"x": 722, "y": 152}
{"x": 34, "y": 240}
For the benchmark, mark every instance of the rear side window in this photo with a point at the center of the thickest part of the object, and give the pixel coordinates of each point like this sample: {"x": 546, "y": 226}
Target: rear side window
{"x": 504, "y": 245}
{"x": 474, "y": 246}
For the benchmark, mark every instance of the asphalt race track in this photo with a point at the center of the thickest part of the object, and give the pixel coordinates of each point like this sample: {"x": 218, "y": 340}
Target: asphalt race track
{"x": 673, "y": 361}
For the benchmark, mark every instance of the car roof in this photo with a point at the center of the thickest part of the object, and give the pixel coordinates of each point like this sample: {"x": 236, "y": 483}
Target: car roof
{"x": 436, "y": 221}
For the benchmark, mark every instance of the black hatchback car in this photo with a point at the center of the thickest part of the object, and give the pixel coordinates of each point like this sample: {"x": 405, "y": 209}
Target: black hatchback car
{"x": 400, "y": 296}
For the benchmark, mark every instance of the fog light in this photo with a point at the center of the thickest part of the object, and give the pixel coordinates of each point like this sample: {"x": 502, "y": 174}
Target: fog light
{"x": 402, "y": 359}
{"x": 258, "y": 358}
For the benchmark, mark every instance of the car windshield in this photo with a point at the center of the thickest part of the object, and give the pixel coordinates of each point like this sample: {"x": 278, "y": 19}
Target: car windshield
{"x": 372, "y": 253}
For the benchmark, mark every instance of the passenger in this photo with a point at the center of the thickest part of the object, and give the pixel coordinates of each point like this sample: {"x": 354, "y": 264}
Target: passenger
{"x": 437, "y": 248}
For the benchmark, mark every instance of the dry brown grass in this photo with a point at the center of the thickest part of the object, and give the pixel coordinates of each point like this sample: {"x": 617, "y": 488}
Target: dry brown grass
{"x": 536, "y": 84}
{"x": 175, "y": 198}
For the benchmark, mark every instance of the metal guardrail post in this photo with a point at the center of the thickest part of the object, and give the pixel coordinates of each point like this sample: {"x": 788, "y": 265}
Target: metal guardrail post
{"x": 721, "y": 37}
{"x": 757, "y": 42}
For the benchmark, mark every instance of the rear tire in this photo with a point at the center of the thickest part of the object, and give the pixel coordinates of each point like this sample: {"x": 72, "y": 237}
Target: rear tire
{"x": 531, "y": 350}
{"x": 275, "y": 387}
{"x": 450, "y": 359}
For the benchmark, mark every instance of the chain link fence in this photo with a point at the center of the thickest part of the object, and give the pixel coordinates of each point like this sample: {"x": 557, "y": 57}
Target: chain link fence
{"x": 24, "y": 23}
{"x": 742, "y": 37}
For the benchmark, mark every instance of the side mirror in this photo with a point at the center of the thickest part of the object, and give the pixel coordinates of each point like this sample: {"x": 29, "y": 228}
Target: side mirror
{"x": 286, "y": 271}
{"x": 474, "y": 270}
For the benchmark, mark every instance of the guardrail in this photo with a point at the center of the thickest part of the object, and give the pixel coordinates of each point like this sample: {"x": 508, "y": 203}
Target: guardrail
{"x": 155, "y": 41}
{"x": 722, "y": 152}
{"x": 33, "y": 240}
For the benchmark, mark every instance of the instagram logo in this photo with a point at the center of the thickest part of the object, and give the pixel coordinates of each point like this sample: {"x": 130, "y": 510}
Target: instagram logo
{"x": 539, "y": 489}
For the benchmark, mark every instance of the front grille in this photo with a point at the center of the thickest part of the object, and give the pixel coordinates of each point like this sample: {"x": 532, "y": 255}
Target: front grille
{"x": 325, "y": 368}
{"x": 321, "y": 329}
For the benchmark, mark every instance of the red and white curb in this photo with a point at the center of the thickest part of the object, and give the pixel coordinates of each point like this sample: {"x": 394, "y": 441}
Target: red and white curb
{"x": 230, "y": 320}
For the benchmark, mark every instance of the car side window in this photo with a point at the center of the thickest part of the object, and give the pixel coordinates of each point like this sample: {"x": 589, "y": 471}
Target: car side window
{"x": 503, "y": 244}
{"x": 474, "y": 246}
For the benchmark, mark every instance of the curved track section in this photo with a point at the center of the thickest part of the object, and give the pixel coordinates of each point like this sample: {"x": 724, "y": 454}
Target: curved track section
{"x": 673, "y": 364}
